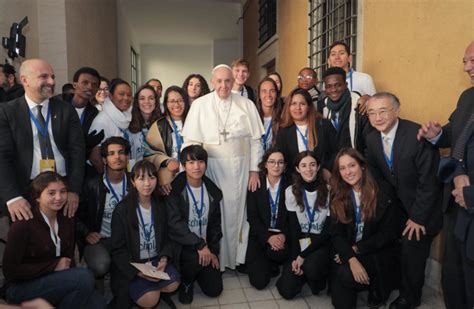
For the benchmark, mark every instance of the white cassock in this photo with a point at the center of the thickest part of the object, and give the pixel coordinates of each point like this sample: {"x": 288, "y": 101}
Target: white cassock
{"x": 231, "y": 132}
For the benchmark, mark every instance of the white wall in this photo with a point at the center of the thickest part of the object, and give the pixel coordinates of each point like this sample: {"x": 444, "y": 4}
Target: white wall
{"x": 125, "y": 39}
{"x": 172, "y": 64}
{"x": 225, "y": 51}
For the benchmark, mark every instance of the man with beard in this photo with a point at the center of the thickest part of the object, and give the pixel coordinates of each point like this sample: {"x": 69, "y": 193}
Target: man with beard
{"x": 38, "y": 133}
{"x": 340, "y": 107}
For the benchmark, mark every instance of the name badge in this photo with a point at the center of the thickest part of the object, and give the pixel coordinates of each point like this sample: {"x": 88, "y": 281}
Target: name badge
{"x": 47, "y": 165}
{"x": 304, "y": 243}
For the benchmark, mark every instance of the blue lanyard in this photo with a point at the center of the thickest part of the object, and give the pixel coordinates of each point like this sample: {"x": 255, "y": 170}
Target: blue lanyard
{"x": 146, "y": 233}
{"x": 198, "y": 210}
{"x": 83, "y": 116}
{"x": 125, "y": 134}
{"x": 357, "y": 212}
{"x": 266, "y": 135}
{"x": 350, "y": 77}
{"x": 304, "y": 137}
{"x": 274, "y": 205}
{"x": 179, "y": 138}
{"x": 41, "y": 130}
{"x": 310, "y": 213}
{"x": 335, "y": 122}
{"x": 111, "y": 189}
{"x": 387, "y": 159}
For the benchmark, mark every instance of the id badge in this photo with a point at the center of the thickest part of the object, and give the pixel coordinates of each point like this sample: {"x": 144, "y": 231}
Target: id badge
{"x": 47, "y": 165}
{"x": 130, "y": 164}
{"x": 304, "y": 243}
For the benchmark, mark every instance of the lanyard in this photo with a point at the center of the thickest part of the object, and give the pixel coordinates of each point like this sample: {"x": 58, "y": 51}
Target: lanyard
{"x": 41, "y": 130}
{"x": 266, "y": 136}
{"x": 146, "y": 233}
{"x": 179, "y": 138}
{"x": 125, "y": 134}
{"x": 83, "y": 116}
{"x": 309, "y": 212}
{"x": 111, "y": 188}
{"x": 274, "y": 205}
{"x": 387, "y": 159}
{"x": 198, "y": 210}
{"x": 54, "y": 233}
{"x": 350, "y": 77}
{"x": 357, "y": 212}
{"x": 303, "y": 137}
{"x": 335, "y": 122}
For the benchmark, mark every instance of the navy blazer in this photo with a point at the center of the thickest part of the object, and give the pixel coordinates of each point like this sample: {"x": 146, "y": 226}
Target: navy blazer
{"x": 16, "y": 146}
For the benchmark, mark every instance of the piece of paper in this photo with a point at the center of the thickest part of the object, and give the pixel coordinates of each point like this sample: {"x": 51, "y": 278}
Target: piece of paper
{"x": 304, "y": 243}
{"x": 150, "y": 271}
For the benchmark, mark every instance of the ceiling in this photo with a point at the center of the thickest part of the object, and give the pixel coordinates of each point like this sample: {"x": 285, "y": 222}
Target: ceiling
{"x": 182, "y": 22}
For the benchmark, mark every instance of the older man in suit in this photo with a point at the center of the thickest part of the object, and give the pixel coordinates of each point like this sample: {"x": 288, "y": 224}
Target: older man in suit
{"x": 38, "y": 133}
{"x": 406, "y": 168}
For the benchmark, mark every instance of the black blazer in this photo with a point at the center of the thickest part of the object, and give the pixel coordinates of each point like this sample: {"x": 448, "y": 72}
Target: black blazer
{"x": 16, "y": 146}
{"x": 178, "y": 215}
{"x": 259, "y": 212}
{"x": 287, "y": 142}
{"x": 379, "y": 233}
{"x": 252, "y": 94}
{"x": 452, "y": 130}
{"x": 412, "y": 179}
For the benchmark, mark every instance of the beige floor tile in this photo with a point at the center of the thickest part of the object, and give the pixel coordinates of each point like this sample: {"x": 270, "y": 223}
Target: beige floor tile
{"x": 297, "y": 303}
{"x": 267, "y": 304}
{"x": 319, "y": 302}
{"x": 253, "y": 294}
{"x": 231, "y": 283}
{"x": 236, "y": 306}
{"x": 275, "y": 293}
{"x": 244, "y": 281}
{"x": 232, "y": 297}
{"x": 201, "y": 300}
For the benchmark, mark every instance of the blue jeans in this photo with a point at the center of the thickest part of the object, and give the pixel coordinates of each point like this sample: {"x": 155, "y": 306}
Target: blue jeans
{"x": 70, "y": 288}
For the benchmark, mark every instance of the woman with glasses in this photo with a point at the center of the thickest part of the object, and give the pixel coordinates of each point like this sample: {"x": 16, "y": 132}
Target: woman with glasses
{"x": 303, "y": 129}
{"x": 164, "y": 137}
{"x": 269, "y": 110}
{"x": 145, "y": 111}
{"x": 307, "y": 203}
{"x": 195, "y": 86}
{"x": 102, "y": 93}
{"x": 267, "y": 216}
{"x": 364, "y": 234}
{"x": 140, "y": 235}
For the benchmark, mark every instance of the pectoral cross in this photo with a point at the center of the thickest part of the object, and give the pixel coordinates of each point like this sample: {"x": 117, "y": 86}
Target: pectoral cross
{"x": 224, "y": 133}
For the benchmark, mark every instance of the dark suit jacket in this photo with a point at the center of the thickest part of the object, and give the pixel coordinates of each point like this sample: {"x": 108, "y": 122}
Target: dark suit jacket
{"x": 252, "y": 94}
{"x": 16, "y": 146}
{"x": 464, "y": 228}
{"x": 412, "y": 179}
{"x": 178, "y": 215}
{"x": 287, "y": 142}
{"x": 452, "y": 130}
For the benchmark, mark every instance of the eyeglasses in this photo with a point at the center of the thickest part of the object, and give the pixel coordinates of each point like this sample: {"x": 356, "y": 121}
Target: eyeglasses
{"x": 103, "y": 90}
{"x": 308, "y": 77}
{"x": 274, "y": 163}
{"x": 381, "y": 112}
{"x": 176, "y": 102}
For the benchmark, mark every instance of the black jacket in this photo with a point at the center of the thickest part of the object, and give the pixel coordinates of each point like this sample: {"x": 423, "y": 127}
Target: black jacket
{"x": 379, "y": 233}
{"x": 259, "y": 212}
{"x": 178, "y": 214}
{"x": 16, "y": 146}
{"x": 412, "y": 180}
{"x": 287, "y": 142}
{"x": 166, "y": 132}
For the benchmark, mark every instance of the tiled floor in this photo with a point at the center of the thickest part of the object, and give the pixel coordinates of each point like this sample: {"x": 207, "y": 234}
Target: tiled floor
{"x": 239, "y": 294}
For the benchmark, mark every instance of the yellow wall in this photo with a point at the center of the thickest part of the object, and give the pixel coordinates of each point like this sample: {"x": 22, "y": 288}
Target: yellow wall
{"x": 415, "y": 48}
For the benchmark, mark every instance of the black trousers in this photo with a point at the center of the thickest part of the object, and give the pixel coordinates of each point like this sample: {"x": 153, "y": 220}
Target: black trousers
{"x": 208, "y": 278}
{"x": 261, "y": 261}
{"x": 344, "y": 288}
{"x": 315, "y": 273}
{"x": 457, "y": 276}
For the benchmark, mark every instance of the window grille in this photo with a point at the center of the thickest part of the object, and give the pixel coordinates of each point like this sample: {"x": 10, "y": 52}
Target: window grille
{"x": 267, "y": 20}
{"x": 134, "y": 69}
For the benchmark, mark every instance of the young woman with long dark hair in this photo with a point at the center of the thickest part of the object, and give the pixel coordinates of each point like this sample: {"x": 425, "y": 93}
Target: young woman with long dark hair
{"x": 269, "y": 110}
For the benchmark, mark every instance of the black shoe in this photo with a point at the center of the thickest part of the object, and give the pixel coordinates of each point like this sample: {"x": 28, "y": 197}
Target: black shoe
{"x": 186, "y": 292}
{"x": 241, "y": 268}
{"x": 401, "y": 303}
{"x": 375, "y": 299}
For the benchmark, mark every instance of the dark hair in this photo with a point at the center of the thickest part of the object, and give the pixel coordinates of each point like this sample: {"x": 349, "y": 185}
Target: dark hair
{"x": 8, "y": 69}
{"x": 142, "y": 167}
{"x": 298, "y": 186}
{"x": 193, "y": 152}
{"x": 335, "y": 71}
{"x": 114, "y": 140}
{"x": 204, "y": 86}
{"x": 40, "y": 182}
{"x": 85, "y": 70}
{"x": 281, "y": 82}
{"x": 315, "y": 75}
{"x": 138, "y": 122}
{"x": 104, "y": 79}
{"x": 276, "y": 112}
{"x": 346, "y": 46}
{"x": 183, "y": 94}
{"x": 341, "y": 204}
{"x": 313, "y": 115}
{"x": 116, "y": 82}
{"x": 67, "y": 87}
{"x": 266, "y": 155}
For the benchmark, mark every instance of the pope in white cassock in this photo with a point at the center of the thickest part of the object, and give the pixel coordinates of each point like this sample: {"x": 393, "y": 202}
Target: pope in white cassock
{"x": 228, "y": 126}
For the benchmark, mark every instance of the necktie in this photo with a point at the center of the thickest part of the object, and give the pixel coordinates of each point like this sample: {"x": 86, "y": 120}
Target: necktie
{"x": 387, "y": 147}
{"x": 45, "y": 142}
{"x": 460, "y": 146}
